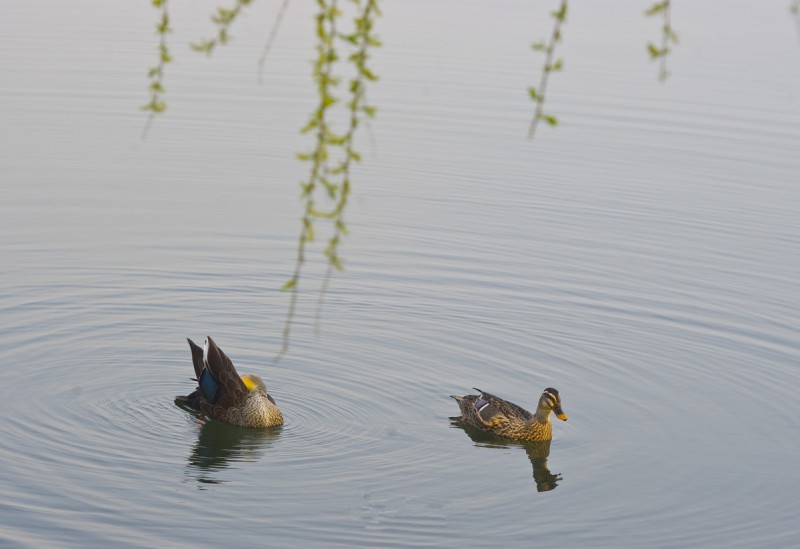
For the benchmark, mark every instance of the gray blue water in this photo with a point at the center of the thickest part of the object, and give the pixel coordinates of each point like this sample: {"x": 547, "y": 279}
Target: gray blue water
{"x": 642, "y": 258}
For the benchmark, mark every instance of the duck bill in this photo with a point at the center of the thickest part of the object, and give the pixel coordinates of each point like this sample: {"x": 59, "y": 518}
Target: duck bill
{"x": 560, "y": 413}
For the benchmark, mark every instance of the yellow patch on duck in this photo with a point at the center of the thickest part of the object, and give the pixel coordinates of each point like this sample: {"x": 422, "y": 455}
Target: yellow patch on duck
{"x": 249, "y": 382}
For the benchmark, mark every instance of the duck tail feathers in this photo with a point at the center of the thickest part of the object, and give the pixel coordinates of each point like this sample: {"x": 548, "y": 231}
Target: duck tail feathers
{"x": 197, "y": 357}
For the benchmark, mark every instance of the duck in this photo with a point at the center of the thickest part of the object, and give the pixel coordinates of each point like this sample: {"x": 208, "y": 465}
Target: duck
{"x": 224, "y": 395}
{"x": 501, "y": 417}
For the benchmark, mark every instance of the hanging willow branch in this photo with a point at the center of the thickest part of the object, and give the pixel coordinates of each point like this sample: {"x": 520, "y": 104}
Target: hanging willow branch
{"x": 362, "y": 39}
{"x": 271, "y": 38}
{"x": 223, "y": 19}
{"x": 538, "y": 94}
{"x": 334, "y": 153}
{"x": 156, "y": 104}
{"x": 668, "y": 37}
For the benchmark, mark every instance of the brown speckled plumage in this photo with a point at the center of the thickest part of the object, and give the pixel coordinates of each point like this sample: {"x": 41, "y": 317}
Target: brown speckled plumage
{"x": 242, "y": 401}
{"x": 495, "y": 415}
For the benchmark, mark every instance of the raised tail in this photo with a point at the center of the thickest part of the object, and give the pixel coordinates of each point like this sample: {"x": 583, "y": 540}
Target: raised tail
{"x": 197, "y": 358}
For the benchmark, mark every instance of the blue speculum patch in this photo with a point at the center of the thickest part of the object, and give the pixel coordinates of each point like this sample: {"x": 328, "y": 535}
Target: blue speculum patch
{"x": 208, "y": 386}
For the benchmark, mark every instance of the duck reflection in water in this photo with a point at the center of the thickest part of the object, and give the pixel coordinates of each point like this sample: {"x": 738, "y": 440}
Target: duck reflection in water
{"x": 492, "y": 421}
{"x": 537, "y": 451}
{"x": 220, "y": 444}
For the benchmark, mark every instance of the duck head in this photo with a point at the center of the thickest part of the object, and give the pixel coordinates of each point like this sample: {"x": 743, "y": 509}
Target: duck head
{"x": 254, "y": 383}
{"x": 550, "y": 401}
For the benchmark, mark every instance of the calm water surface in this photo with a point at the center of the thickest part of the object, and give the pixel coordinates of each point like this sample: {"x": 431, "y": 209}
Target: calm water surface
{"x": 643, "y": 258}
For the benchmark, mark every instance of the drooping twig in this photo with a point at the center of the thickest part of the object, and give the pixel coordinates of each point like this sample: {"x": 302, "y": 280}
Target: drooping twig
{"x": 538, "y": 94}
{"x": 326, "y": 81}
{"x": 270, "y": 39}
{"x": 668, "y": 36}
{"x": 156, "y": 104}
{"x": 223, "y": 19}
{"x": 333, "y": 154}
{"x": 363, "y": 39}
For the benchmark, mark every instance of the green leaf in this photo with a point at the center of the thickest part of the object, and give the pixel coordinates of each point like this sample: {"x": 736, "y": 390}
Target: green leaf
{"x": 205, "y": 46}
{"x": 224, "y": 16}
{"x": 657, "y": 8}
{"x": 155, "y": 106}
{"x": 533, "y": 93}
{"x": 355, "y": 84}
{"x": 289, "y": 285}
{"x": 561, "y": 14}
{"x": 336, "y": 262}
{"x": 368, "y": 74}
{"x": 672, "y": 35}
{"x": 313, "y": 123}
{"x": 539, "y": 46}
{"x": 163, "y": 26}
{"x": 550, "y": 119}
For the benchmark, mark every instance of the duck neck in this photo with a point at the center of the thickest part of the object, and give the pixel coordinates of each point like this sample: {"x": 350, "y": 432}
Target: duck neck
{"x": 542, "y": 415}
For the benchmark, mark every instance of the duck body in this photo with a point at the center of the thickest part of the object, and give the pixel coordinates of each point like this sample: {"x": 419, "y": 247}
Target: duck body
{"x": 501, "y": 417}
{"x": 224, "y": 395}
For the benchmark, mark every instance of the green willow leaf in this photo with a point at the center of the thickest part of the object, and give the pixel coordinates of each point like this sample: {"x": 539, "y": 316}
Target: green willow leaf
{"x": 655, "y": 9}
{"x": 289, "y": 285}
{"x": 550, "y": 119}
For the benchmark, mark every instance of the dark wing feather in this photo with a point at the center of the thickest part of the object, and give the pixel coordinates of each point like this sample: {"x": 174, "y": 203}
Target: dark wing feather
{"x": 229, "y": 388}
{"x": 197, "y": 358}
{"x": 232, "y": 388}
{"x": 500, "y": 407}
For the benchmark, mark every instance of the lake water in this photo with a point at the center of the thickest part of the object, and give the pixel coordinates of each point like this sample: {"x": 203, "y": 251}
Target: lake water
{"x": 643, "y": 258}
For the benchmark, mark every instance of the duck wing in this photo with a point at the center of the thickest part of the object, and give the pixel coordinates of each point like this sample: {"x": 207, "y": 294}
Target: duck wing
{"x": 493, "y": 410}
{"x": 218, "y": 380}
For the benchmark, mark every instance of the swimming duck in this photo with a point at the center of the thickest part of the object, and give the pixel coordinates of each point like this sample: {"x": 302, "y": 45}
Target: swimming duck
{"x": 490, "y": 413}
{"x": 223, "y": 395}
